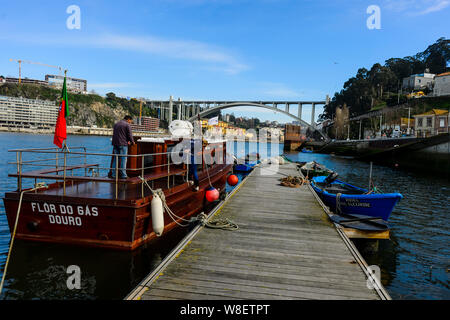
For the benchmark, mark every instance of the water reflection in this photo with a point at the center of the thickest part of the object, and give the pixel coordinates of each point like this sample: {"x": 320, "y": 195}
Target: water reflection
{"x": 420, "y": 228}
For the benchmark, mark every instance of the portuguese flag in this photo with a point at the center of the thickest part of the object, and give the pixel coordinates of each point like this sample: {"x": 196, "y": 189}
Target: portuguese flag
{"x": 60, "y": 129}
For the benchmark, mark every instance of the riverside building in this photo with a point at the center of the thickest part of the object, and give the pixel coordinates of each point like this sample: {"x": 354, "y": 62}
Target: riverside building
{"x": 27, "y": 113}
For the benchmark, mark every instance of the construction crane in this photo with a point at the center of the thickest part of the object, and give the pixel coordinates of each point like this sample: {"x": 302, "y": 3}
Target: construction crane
{"x": 32, "y": 62}
{"x": 140, "y": 111}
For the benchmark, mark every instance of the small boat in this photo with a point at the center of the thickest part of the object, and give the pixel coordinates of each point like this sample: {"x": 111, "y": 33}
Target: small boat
{"x": 314, "y": 169}
{"x": 345, "y": 198}
{"x": 247, "y": 164}
{"x": 305, "y": 150}
{"x": 246, "y": 167}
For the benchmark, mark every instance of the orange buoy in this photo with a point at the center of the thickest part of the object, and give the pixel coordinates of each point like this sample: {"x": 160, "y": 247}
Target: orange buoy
{"x": 232, "y": 180}
{"x": 212, "y": 195}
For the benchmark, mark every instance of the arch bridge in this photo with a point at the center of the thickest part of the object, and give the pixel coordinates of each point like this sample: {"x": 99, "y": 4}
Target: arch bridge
{"x": 190, "y": 110}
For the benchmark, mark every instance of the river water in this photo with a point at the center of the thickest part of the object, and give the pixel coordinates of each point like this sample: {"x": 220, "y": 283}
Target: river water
{"x": 414, "y": 263}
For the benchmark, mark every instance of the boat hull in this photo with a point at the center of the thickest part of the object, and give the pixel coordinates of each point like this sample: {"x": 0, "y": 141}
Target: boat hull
{"x": 123, "y": 224}
{"x": 373, "y": 205}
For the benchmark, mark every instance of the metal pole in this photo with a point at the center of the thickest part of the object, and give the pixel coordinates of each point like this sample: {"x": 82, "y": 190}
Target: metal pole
{"x": 117, "y": 175}
{"x": 19, "y": 170}
{"x": 168, "y": 171}
{"x": 64, "y": 178}
{"x": 409, "y": 116}
{"x": 142, "y": 174}
{"x": 381, "y": 118}
{"x": 370, "y": 175}
{"x": 360, "y": 122}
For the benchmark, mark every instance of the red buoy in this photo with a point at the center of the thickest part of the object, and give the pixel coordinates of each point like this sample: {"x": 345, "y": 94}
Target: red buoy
{"x": 232, "y": 180}
{"x": 212, "y": 195}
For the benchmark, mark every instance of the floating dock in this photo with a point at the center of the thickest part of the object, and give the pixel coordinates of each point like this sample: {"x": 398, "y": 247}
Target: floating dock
{"x": 285, "y": 248}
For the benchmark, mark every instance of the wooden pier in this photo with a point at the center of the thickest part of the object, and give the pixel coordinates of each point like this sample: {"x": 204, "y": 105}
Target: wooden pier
{"x": 285, "y": 248}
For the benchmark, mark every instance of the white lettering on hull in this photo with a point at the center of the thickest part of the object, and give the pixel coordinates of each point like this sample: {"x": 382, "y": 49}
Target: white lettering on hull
{"x": 64, "y": 214}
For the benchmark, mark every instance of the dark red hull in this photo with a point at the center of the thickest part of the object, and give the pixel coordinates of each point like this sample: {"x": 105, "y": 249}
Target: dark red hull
{"x": 87, "y": 215}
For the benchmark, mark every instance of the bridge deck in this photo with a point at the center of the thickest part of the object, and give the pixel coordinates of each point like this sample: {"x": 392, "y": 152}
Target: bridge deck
{"x": 285, "y": 248}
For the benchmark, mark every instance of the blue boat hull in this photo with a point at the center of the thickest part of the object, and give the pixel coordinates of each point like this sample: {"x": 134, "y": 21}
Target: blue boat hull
{"x": 373, "y": 205}
{"x": 245, "y": 167}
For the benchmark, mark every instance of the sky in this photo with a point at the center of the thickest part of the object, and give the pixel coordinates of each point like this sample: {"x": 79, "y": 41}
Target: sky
{"x": 216, "y": 49}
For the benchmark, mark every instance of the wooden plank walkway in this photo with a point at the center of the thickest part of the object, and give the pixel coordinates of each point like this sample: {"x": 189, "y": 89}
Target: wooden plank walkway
{"x": 285, "y": 248}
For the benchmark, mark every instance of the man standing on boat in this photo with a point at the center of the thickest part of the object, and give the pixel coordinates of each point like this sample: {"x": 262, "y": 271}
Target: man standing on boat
{"x": 122, "y": 138}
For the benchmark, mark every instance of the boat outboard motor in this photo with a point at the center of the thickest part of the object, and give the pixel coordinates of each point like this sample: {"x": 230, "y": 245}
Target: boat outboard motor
{"x": 331, "y": 177}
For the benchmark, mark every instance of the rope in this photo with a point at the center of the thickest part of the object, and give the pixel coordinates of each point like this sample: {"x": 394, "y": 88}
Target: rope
{"x": 159, "y": 193}
{"x": 207, "y": 170}
{"x": 293, "y": 182}
{"x": 224, "y": 224}
{"x": 39, "y": 185}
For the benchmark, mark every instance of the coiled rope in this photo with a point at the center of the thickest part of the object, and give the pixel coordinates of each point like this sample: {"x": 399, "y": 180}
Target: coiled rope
{"x": 293, "y": 182}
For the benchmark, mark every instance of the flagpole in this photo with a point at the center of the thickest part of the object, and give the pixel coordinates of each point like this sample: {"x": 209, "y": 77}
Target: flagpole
{"x": 65, "y": 147}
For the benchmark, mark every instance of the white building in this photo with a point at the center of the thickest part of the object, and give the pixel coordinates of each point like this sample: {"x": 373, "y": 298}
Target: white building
{"x": 442, "y": 84}
{"x": 27, "y": 113}
{"x": 77, "y": 85}
{"x": 419, "y": 81}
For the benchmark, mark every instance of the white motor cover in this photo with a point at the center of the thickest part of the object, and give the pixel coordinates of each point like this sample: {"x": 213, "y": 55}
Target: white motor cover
{"x": 180, "y": 128}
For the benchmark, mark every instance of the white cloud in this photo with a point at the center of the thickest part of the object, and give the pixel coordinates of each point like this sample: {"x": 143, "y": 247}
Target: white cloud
{"x": 416, "y": 7}
{"x": 212, "y": 57}
{"x": 278, "y": 91}
{"x": 438, "y": 6}
{"x": 178, "y": 49}
{"x": 110, "y": 85}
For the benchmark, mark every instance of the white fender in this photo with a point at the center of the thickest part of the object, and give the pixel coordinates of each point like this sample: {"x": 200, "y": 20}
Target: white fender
{"x": 157, "y": 215}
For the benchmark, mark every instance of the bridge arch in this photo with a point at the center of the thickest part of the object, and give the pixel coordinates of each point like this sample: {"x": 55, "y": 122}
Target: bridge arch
{"x": 208, "y": 111}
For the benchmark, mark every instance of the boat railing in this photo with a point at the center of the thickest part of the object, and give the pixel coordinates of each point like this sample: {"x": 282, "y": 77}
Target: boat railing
{"x": 78, "y": 165}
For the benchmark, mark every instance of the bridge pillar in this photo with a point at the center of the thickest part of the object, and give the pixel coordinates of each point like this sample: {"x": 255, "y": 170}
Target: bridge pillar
{"x": 300, "y": 106}
{"x": 287, "y": 107}
{"x": 313, "y": 113}
{"x": 170, "y": 116}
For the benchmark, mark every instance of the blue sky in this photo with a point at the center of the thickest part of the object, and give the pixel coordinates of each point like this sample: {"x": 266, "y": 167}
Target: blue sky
{"x": 216, "y": 49}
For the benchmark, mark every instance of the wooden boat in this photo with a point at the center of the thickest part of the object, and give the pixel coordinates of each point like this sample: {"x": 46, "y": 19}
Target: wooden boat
{"x": 81, "y": 207}
{"x": 247, "y": 164}
{"x": 347, "y": 199}
{"x": 314, "y": 169}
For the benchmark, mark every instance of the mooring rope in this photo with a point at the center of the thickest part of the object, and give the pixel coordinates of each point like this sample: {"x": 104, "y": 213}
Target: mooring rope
{"x": 224, "y": 224}
{"x": 39, "y": 185}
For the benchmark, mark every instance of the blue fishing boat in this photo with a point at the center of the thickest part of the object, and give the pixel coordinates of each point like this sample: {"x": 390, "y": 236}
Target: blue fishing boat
{"x": 246, "y": 164}
{"x": 245, "y": 167}
{"x": 345, "y": 198}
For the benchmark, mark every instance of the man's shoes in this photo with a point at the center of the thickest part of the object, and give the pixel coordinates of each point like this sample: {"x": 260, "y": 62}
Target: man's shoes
{"x": 196, "y": 188}
{"x": 110, "y": 175}
{"x": 125, "y": 177}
